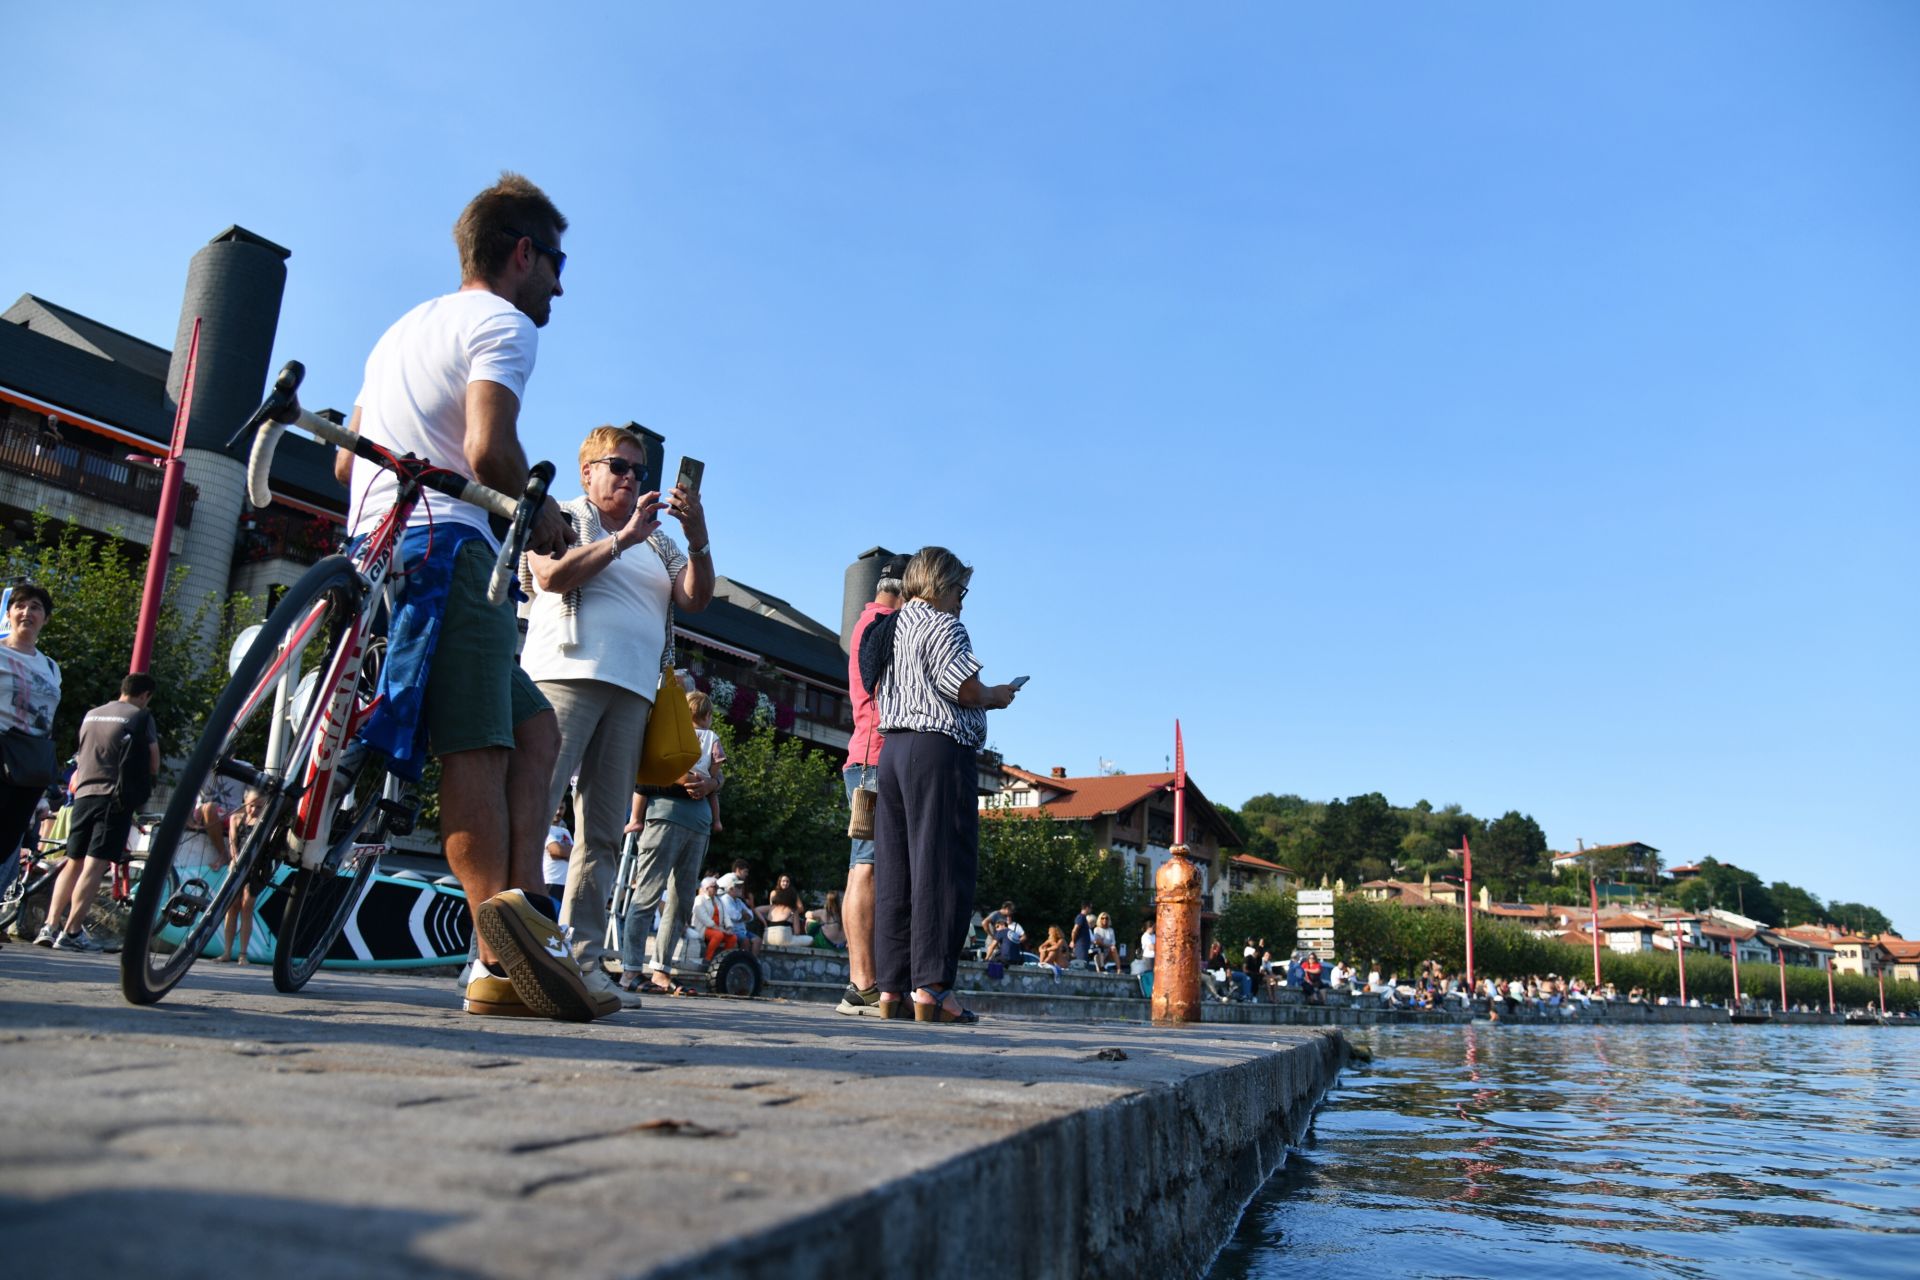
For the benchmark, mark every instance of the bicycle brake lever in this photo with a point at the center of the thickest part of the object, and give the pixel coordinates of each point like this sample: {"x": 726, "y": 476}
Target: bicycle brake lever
{"x": 281, "y": 404}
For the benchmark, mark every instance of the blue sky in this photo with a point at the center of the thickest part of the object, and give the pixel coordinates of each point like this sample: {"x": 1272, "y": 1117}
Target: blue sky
{"x": 1512, "y": 405}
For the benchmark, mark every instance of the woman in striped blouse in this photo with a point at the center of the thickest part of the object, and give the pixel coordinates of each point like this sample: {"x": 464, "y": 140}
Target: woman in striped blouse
{"x": 933, "y": 711}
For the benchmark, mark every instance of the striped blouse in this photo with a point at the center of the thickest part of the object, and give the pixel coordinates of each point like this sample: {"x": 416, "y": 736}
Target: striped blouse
{"x": 932, "y": 658}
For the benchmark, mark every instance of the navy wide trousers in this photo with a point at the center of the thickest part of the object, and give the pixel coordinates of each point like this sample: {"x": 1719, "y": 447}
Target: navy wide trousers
{"x": 926, "y": 858}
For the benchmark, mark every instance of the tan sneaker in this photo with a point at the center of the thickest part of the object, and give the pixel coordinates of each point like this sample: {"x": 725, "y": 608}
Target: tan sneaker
{"x": 493, "y": 997}
{"x": 538, "y": 962}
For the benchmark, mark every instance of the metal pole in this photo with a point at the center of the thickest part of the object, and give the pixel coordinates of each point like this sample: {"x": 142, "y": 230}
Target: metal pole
{"x": 173, "y": 473}
{"x": 1466, "y": 863}
{"x": 1733, "y": 949}
{"x": 1830, "y": 1005}
{"x": 1680, "y": 950}
{"x": 1882, "y": 976}
{"x": 1593, "y": 889}
{"x": 1781, "y": 955}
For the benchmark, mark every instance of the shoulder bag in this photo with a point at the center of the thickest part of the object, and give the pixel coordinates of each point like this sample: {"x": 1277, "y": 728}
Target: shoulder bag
{"x": 670, "y": 746}
{"x": 27, "y": 759}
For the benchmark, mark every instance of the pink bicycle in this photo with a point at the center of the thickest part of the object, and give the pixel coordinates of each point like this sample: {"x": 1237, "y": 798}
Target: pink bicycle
{"x": 331, "y": 804}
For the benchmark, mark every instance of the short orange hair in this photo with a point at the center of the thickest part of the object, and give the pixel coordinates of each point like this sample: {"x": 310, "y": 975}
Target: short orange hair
{"x": 601, "y": 442}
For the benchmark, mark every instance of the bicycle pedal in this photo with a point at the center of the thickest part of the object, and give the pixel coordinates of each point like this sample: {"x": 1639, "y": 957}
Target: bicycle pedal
{"x": 187, "y": 903}
{"x": 401, "y": 815}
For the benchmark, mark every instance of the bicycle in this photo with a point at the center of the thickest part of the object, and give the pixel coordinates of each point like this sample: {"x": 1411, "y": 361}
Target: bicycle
{"x": 331, "y": 804}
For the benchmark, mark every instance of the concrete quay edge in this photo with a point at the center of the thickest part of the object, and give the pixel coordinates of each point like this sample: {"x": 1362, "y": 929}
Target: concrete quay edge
{"x": 366, "y": 1127}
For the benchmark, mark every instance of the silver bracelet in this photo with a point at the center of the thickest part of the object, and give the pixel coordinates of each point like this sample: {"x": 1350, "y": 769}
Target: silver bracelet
{"x": 705, "y": 548}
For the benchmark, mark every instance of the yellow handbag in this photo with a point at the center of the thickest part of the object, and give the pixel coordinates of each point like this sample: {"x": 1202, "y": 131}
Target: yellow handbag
{"x": 671, "y": 746}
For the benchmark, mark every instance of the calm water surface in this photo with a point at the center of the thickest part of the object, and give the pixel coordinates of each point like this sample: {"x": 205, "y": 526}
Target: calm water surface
{"x": 1562, "y": 1152}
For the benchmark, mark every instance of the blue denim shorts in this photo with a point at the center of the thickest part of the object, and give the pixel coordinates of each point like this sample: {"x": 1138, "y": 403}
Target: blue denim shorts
{"x": 861, "y": 854}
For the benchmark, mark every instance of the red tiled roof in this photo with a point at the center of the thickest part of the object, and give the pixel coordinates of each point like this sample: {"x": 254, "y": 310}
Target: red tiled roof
{"x": 1901, "y": 949}
{"x": 1520, "y": 910}
{"x": 1058, "y": 784}
{"x": 1726, "y": 931}
{"x": 1579, "y": 937}
{"x": 1105, "y": 794}
{"x": 1622, "y": 922}
{"x": 1261, "y": 864}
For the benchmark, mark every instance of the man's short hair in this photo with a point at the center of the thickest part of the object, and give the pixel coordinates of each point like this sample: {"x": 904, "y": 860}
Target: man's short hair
{"x": 136, "y": 684}
{"x": 601, "y": 442}
{"x": 493, "y": 222}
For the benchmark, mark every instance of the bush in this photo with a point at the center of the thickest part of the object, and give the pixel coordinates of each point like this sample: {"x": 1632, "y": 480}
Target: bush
{"x": 1259, "y": 913}
{"x": 1048, "y": 869}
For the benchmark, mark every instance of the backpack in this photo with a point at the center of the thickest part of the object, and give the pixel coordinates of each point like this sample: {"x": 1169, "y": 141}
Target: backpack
{"x": 131, "y": 787}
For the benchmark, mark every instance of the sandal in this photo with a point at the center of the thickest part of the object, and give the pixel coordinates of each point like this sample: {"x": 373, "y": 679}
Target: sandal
{"x": 935, "y": 1010}
{"x": 669, "y": 988}
{"x": 891, "y": 1007}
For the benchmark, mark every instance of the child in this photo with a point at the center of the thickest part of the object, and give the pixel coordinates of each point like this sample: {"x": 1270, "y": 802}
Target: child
{"x": 559, "y": 853}
{"x": 712, "y": 754}
{"x": 240, "y": 825}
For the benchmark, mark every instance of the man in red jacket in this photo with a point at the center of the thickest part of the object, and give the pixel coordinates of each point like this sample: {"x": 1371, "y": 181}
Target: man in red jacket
{"x": 863, "y": 757}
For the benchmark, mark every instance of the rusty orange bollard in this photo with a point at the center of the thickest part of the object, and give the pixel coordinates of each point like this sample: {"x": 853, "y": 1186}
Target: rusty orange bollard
{"x": 1176, "y": 927}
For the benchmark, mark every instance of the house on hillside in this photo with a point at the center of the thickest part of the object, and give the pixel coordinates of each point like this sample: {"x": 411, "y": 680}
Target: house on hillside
{"x": 1628, "y": 933}
{"x": 1128, "y": 814}
{"x": 1246, "y": 872}
{"x": 1633, "y": 854}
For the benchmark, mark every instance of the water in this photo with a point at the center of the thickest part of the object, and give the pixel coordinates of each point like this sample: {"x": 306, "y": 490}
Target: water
{"x": 1564, "y": 1152}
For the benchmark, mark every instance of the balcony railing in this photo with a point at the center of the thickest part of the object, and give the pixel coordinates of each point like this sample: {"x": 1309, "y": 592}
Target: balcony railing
{"x": 43, "y": 456}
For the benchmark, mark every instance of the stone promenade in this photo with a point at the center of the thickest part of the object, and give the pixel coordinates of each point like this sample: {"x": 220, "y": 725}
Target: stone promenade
{"x": 367, "y": 1127}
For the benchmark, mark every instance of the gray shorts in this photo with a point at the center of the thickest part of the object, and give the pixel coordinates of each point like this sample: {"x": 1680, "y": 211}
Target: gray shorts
{"x": 862, "y": 852}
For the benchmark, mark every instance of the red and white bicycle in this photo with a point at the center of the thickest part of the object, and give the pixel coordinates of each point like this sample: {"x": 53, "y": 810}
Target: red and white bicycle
{"x": 331, "y": 804}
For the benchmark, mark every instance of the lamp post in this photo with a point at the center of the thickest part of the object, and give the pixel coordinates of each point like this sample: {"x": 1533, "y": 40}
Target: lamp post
{"x": 173, "y": 472}
{"x": 1466, "y": 868}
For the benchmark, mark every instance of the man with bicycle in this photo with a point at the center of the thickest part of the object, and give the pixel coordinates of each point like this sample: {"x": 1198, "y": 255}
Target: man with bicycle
{"x": 445, "y": 382}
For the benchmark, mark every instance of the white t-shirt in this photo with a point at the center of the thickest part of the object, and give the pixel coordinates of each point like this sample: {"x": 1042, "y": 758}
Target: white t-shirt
{"x": 29, "y": 691}
{"x": 414, "y": 399}
{"x": 1146, "y": 945}
{"x": 556, "y": 868}
{"x": 620, "y": 626}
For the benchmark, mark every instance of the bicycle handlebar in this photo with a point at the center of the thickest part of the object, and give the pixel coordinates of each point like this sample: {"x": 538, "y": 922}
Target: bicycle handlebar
{"x": 282, "y": 409}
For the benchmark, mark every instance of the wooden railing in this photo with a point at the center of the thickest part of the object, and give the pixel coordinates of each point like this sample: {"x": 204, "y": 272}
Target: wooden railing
{"x": 132, "y": 487}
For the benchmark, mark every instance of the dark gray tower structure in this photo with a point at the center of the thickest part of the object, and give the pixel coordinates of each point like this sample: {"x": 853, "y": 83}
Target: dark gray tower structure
{"x": 863, "y": 575}
{"x": 234, "y": 287}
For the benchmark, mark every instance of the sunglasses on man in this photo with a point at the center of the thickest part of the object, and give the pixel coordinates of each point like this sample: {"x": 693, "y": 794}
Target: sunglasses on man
{"x": 557, "y": 258}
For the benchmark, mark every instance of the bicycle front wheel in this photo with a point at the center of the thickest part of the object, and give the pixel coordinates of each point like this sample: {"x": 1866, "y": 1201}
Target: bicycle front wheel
{"x": 172, "y": 919}
{"x": 320, "y": 902}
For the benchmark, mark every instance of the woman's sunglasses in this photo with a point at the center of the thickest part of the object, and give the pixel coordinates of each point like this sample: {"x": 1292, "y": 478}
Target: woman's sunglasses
{"x": 620, "y": 466}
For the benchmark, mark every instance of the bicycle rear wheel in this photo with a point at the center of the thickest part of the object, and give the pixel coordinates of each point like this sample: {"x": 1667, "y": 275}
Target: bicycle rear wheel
{"x": 320, "y": 902}
{"x": 172, "y": 920}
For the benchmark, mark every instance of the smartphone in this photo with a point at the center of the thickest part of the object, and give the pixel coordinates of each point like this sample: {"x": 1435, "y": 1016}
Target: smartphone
{"x": 691, "y": 470}
{"x": 1017, "y": 681}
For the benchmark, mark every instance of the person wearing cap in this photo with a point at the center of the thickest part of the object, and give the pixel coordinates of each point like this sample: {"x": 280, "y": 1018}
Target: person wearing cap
{"x": 736, "y": 913}
{"x": 863, "y": 754}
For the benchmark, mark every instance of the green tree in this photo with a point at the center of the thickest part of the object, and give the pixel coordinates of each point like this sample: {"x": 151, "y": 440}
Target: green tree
{"x": 1359, "y": 837}
{"x": 1048, "y": 869}
{"x": 1259, "y": 913}
{"x": 783, "y": 806}
{"x": 1512, "y": 852}
{"x": 96, "y": 586}
{"x": 1794, "y": 904}
{"x": 1859, "y": 917}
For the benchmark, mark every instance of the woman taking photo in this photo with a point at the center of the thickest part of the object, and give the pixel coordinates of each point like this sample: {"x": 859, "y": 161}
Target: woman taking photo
{"x": 29, "y": 695}
{"x": 596, "y": 633}
{"x": 933, "y": 711}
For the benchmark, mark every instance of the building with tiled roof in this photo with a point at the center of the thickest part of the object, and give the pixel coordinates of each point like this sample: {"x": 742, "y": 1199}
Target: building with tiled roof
{"x": 1903, "y": 958}
{"x": 1129, "y": 814}
{"x": 1637, "y": 854}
